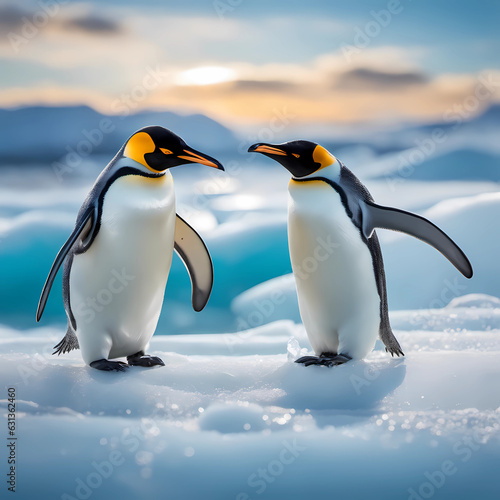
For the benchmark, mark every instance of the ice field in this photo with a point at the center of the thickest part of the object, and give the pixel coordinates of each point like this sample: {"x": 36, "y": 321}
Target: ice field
{"x": 230, "y": 416}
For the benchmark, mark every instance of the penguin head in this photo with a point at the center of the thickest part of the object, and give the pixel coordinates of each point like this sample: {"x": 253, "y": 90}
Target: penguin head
{"x": 158, "y": 149}
{"x": 300, "y": 158}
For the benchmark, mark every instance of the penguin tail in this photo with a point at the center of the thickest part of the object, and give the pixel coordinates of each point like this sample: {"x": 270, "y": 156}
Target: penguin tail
{"x": 67, "y": 344}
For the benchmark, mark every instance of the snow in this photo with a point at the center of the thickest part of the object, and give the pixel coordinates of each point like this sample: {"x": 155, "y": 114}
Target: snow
{"x": 230, "y": 415}
{"x": 233, "y": 415}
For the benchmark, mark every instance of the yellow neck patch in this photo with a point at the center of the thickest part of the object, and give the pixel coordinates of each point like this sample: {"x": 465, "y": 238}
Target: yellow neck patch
{"x": 310, "y": 183}
{"x": 139, "y": 145}
{"x": 323, "y": 157}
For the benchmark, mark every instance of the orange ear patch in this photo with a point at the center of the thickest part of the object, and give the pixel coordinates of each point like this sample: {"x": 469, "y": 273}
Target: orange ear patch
{"x": 139, "y": 145}
{"x": 323, "y": 157}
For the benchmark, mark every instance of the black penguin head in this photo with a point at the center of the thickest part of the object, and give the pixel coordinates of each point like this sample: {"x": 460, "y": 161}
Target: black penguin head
{"x": 158, "y": 148}
{"x": 300, "y": 158}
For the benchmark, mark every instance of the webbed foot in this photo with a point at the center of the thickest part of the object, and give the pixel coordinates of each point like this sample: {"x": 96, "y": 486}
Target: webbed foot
{"x": 109, "y": 366}
{"x": 141, "y": 359}
{"x": 307, "y": 360}
{"x": 326, "y": 359}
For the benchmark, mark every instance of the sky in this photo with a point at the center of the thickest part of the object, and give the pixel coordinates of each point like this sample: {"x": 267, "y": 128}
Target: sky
{"x": 245, "y": 62}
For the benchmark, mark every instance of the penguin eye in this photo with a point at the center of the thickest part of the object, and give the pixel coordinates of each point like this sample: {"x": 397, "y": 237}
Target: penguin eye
{"x": 166, "y": 151}
{"x": 296, "y": 155}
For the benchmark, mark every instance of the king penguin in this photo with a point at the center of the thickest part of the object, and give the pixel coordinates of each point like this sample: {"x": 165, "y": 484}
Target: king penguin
{"x": 118, "y": 257}
{"x": 335, "y": 254}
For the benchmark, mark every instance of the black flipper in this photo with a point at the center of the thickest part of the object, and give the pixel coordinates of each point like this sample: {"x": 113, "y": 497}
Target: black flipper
{"x": 417, "y": 226}
{"x": 83, "y": 228}
{"x": 194, "y": 253}
{"x": 67, "y": 344}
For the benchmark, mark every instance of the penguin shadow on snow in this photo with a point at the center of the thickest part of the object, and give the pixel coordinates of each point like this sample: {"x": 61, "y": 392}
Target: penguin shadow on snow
{"x": 356, "y": 385}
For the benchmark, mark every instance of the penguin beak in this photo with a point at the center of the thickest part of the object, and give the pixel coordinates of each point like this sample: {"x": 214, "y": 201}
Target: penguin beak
{"x": 266, "y": 149}
{"x": 193, "y": 156}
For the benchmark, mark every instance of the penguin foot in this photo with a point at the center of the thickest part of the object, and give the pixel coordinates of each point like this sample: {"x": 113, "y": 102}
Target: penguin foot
{"x": 109, "y": 366}
{"x": 308, "y": 360}
{"x": 394, "y": 350}
{"x": 141, "y": 359}
{"x": 326, "y": 359}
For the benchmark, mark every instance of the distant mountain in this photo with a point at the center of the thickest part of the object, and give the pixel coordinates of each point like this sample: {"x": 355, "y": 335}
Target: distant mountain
{"x": 489, "y": 117}
{"x": 49, "y": 133}
{"x": 458, "y": 164}
{"x": 383, "y": 138}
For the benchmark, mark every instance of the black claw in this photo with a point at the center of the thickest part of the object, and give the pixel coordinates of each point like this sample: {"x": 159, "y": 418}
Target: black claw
{"x": 395, "y": 351}
{"x": 109, "y": 366}
{"x": 305, "y": 359}
{"x": 325, "y": 359}
{"x": 141, "y": 359}
{"x": 311, "y": 362}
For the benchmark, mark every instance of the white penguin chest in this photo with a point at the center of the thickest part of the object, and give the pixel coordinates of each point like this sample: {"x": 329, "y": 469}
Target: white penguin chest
{"x": 333, "y": 269}
{"x": 117, "y": 285}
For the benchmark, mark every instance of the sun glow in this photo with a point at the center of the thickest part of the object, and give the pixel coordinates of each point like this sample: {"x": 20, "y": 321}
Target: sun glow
{"x": 205, "y": 75}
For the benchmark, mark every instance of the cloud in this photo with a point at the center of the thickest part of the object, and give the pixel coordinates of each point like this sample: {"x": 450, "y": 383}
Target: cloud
{"x": 74, "y": 63}
{"x": 304, "y": 92}
{"x": 262, "y": 86}
{"x": 53, "y": 17}
{"x": 92, "y": 24}
{"x": 366, "y": 78}
{"x": 11, "y": 18}
{"x": 320, "y": 93}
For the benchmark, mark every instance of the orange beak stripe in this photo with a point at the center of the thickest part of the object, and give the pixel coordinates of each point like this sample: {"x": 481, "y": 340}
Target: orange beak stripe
{"x": 270, "y": 150}
{"x": 197, "y": 159}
